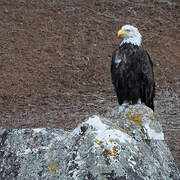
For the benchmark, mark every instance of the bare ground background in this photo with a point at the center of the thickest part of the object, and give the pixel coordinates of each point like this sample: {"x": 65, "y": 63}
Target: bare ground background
{"x": 55, "y": 60}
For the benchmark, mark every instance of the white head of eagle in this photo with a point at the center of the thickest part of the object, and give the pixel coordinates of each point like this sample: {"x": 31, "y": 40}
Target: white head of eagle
{"x": 132, "y": 69}
{"x": 130, "y": 34}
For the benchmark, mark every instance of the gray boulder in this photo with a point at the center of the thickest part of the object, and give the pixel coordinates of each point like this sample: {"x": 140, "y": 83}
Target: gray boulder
{"x": 126, "y": 143}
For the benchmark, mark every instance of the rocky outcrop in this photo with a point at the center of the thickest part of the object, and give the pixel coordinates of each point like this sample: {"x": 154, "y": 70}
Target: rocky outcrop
{"x": 126, "y": 143}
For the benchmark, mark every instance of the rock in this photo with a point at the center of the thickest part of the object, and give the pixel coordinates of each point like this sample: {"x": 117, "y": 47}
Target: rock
{"x": 126, "y": 143}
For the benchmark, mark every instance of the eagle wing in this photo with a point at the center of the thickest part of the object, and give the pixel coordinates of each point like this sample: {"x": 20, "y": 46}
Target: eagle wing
{"x": 147, "y": 83}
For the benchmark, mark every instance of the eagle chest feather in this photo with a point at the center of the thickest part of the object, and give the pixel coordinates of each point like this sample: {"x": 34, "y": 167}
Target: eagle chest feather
{"x": 127, "y": 65}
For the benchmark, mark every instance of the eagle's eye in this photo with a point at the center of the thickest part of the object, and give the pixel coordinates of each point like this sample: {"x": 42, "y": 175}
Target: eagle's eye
{"x": 128, "y": 30}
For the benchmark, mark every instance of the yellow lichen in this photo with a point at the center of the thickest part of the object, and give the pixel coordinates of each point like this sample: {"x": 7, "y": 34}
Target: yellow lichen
{"x": 92, "y": 127}
{"x": 52, "y": 167}
{"x": 110, "y": 152}
{"x": 137, "y": 119}
{"x": 123, "y": 130}
{"x": 128, "y": 116}
{"x": 151, "y": 116}
{"x": 99, "y": 142}
{"x": 140, "y": 151}
{"x": 33, "y": 145}
{"x": 114, "y": 150}
{"x": 111, "y": 140}
{"x": 102, "y": 146}
{"x": 83, "y": 139}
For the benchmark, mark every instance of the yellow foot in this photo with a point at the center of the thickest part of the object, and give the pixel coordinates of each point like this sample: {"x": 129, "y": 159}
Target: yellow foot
{"x": 127, "y": 104}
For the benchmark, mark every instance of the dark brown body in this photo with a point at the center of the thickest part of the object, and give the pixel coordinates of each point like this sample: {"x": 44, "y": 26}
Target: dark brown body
{"x": 132, "y": 75}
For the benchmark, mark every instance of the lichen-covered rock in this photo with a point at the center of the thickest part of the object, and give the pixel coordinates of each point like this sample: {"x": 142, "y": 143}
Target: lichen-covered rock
{"x": 126, "y": 143}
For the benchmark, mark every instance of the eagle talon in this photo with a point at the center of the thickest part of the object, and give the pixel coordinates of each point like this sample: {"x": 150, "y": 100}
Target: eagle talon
{"x": 128, "y": 103}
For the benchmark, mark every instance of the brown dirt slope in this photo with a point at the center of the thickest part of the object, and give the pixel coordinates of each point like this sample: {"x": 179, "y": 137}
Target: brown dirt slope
{"x": 55, "y": 60}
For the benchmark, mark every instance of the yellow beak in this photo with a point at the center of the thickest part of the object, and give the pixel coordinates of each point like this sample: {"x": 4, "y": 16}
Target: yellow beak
{"x": 121, "y": 32}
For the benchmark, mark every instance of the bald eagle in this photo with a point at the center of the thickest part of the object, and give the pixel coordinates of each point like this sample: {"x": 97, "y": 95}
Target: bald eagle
{"x": 132, "y": 70}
